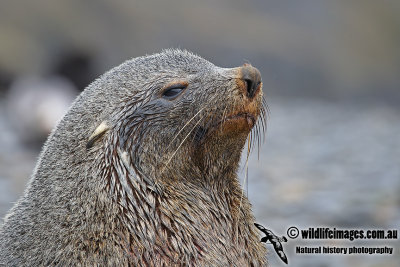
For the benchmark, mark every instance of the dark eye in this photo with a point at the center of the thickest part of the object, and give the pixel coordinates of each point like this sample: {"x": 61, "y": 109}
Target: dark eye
{"x": 173, "y": 91}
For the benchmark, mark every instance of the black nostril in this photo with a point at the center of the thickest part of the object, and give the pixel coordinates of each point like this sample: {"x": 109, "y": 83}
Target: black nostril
{"x": 249, "y": 86}
{"x": 252, "y": 79}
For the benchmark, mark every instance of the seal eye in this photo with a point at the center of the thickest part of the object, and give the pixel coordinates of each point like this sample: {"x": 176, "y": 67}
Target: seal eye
{"x": 171, "y": 92}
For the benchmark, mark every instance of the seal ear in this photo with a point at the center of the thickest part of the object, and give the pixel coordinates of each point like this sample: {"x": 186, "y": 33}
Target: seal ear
{"x": 98, "y": 133}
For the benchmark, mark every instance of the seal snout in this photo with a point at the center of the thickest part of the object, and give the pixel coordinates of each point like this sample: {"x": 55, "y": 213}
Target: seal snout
{"x": 251, "y": 78}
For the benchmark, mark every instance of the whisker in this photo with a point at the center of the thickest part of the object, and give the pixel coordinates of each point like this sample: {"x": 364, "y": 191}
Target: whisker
{"x": 264, "y": 113}
{"x": 263, "y": 126}
{"x": 184, "y": 139}
{"x": 257, "y": 137}
{"x": 265, "y": 105}
{"x": 259, "y": 142}
{"x": 224, "y": 113}
{"x": 187, "y": 123}
{"x": 254, "y": 137}
{"x": 245, "y": 181}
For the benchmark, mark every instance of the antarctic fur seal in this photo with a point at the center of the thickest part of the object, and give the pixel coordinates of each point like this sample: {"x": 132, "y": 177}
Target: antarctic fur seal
{"x": 141, "y": 171}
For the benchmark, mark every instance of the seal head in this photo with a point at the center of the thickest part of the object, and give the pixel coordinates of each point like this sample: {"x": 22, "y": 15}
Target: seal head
{"x": 142, "y": 171}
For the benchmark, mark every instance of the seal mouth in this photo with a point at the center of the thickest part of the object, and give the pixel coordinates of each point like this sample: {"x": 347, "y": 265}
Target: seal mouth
{"x": 232, "y": 124}
{"x": 246, "y": 117}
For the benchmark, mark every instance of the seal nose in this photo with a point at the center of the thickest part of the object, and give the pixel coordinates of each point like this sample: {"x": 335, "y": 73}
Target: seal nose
{"x": 252, "y": 79}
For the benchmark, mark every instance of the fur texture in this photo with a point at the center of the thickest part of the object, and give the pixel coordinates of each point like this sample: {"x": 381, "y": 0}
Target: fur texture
{"x": 129, "y": 178}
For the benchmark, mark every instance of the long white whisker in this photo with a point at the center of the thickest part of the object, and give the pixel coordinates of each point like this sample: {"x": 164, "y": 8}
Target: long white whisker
{"x": 173, "y": 154}
{"x": 245, "y": 182}
{"x": 185, "y": 126}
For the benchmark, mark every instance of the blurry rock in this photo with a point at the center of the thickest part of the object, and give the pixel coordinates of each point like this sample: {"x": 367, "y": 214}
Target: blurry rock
{"x": 34, "y": 106}
{"x": 5, "y": 81}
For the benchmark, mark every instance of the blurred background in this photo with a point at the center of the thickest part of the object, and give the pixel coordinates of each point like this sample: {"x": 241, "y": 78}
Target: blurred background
{"x": 331, "y": 74}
